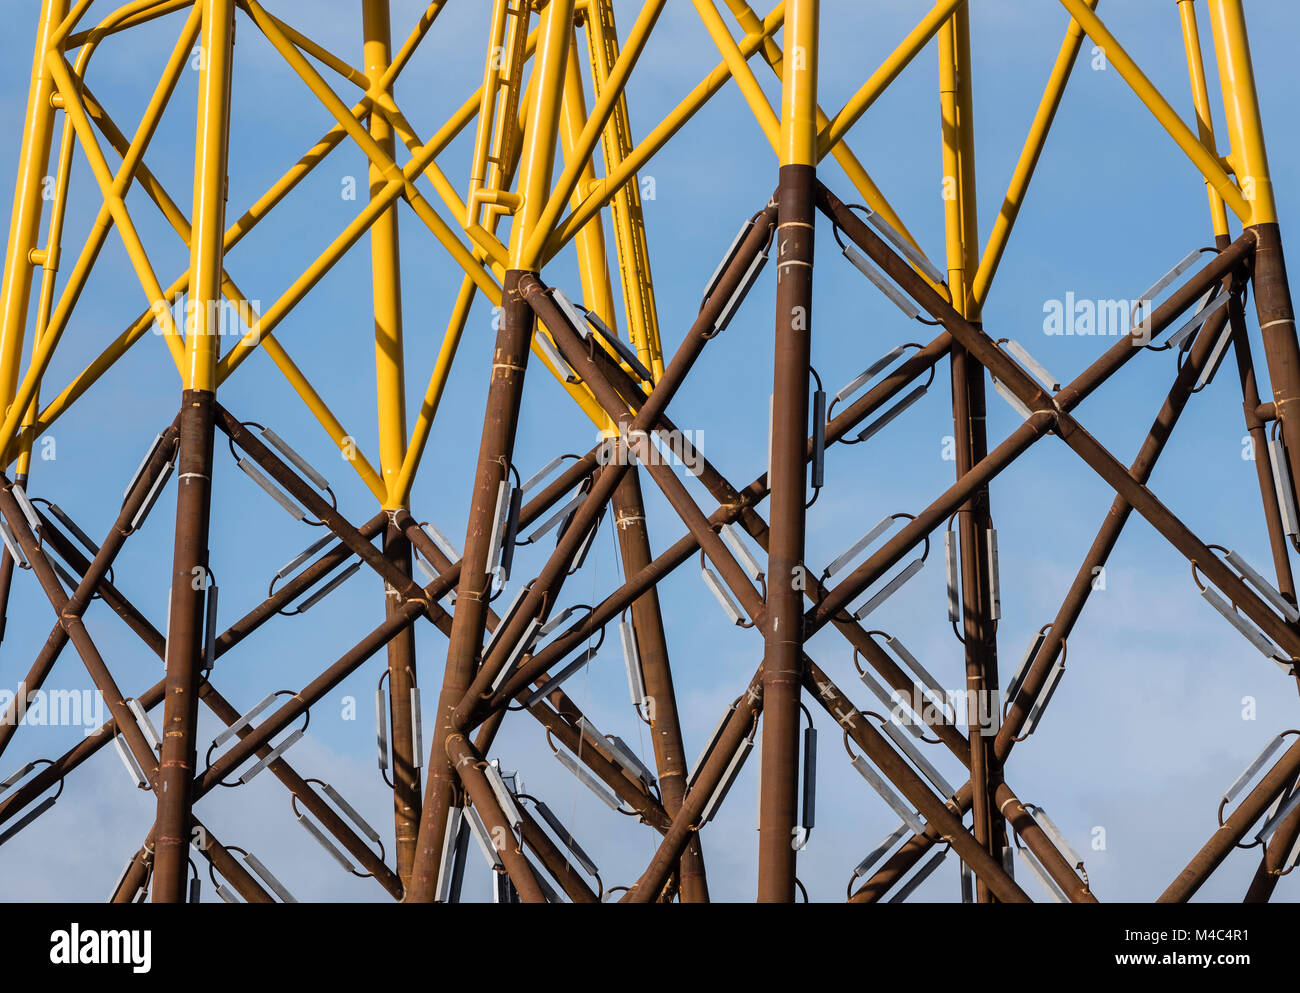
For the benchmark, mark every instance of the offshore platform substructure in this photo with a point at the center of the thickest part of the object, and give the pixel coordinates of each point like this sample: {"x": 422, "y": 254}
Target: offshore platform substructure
{"x": 548, "y": 173}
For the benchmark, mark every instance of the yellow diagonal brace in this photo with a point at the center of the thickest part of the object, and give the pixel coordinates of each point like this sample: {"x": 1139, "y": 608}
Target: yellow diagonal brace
{"x": 1204, "y": 159}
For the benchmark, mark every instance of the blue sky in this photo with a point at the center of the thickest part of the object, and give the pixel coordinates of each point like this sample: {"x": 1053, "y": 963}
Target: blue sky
{"x": 1147, "y": 729}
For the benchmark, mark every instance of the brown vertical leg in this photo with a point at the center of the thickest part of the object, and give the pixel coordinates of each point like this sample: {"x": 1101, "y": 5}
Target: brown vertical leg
{"x": 666, "y": 732}
{"x": 401, "y": 683}
{"x": 783, "y": 634}
{"x": 509, "y": 363}
{"x": 184, "y": 647}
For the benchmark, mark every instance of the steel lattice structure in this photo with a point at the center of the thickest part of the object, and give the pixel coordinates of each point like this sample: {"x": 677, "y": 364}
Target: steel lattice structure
{"x": 552, "y": 176}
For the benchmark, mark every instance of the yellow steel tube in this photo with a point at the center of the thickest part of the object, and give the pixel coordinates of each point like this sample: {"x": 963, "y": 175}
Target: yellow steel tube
{"x": 231, "y": 291}
{"x": 1249, "y": 158}
{"x": 842, "y": 153}
{"x": 49, "y": 274}
{"x": 593, "y": 264}
{"x": 607, "y": 188}
{"x": 1204, "y": 159}
{"x": 736, "y": 60}
{"x": 321, "y": 54}
{"x": 537, "y": 157}
{"x": 593, "y": 257}
{"x": 437, "y": 383}
{"x": 77, "y": 387}
{"x": 113, "y": 188}
{"x": 889, "y": 70}
{"x": 1201, "y": 100}
{"x": 385, "y": 255}
{"x": 626, "y": 208}
{"x": 126, "y": 17}
{"x": 25, "y": 220}
{"x": 1028, "y": 161}
{"x": 578, "y": 164}
{"x": 451, "y": 342}
{"x": 402, "y": 178}
{"x": 443, "y": 186}
{"x": 313, "y": 274}
{"x": 51, "y": 254}
{"x": 799, "y": 92}
{"x": 960, "y": 220}
{"x": 73, "y": 16}
{"x": 443, "y": 137}
{"x": 490, "y": 90}
{"x": 325, "y": 416}
{"x": 211, "y": 157}
{"x": 413, "y": 40}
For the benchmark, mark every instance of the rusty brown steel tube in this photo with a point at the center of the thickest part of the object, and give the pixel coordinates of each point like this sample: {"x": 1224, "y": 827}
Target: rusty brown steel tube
{"x": 783, "y": 624}
{"x": 401, "y": 689}
{"x": 1108, "y": 535}
{"x": 1255, "y": 427}
{"x": 240, "y": 878}
{"x": 979, "y": 629}
{"x": 190, "y": 582}
{"x": 310, "y": 499}
{"x": 466, "y": 763}
{"x": 1034, "y": 837}
{"x": 7, "y": 574}
{"x": 584, "y": 748}
{"x": 81, "y": 640}
{"x": 310, "y": 799}
{"x": 509, "y": 365}
{"x": 1082, "y": 586}
{"x": 667, "y": 856}
{"x": 1276, "y": 316}
{"x": 651, "y": 407}
{"x": 592, "y": 366}
{"x": 446, "y": 569}
{"x": 1079, "y": 592}
{"x": 1224, "y": 840}
{"x": 77, "y": 634}
{"x": 215, "y": 852}
{"x": 739, "y": 508}
{"x": 223, "y": 710}
{"x": 83, "y": 595}
{"x": 998, "y": 363}
{"x": 1269, "y": 871}
{"x": 652, "y": 645}
{"x": 136, "y": 875}
{"x": 410, "y": 611}
{"x": 298, "y": 584}
{"x": 241, "y": 629}
{"x": 931, "y": 807}
{"x": 752, "y": 522}
{"x": 738, "y": 581}
{"x": 1078, "y": 439}
{"x": 554, "y": 861}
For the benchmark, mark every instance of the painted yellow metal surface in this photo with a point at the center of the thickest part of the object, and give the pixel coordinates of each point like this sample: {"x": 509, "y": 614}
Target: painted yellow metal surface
{"x": 547, "y": 172}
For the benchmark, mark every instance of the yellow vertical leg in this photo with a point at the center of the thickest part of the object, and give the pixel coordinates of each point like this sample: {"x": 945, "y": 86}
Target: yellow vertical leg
{"x": 968, "y": 410}
{"x": 783, "y": 666}
{"x": 537, "y": 159}
{"x": 191, "y": 581}
{"x": 390, "y": 392}
{"x": 626, "y": 213}
{"x": 25, "y": 222}
{"x": 1201, "y": 100}
{"x": 1248, "y": 158}
{"x": 385, "y": 269}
